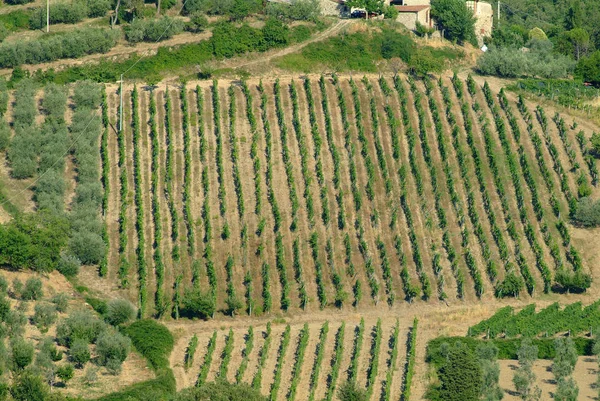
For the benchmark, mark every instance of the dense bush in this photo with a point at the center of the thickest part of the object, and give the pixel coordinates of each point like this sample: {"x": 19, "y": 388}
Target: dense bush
{"x": 153, "y": 30}
{"x": 32, "y": 241}
{"x": 44, "y": 316}
{"x": 119, "y": 311}
{"x": 21, "y": 353}
{"x": 81, "y": 325}
{"x": 153, "y": 340}
{"x": 576, "y": 282}
{"x": 196, "y": 304}
{"x": 68, "y": 265}
{"x": 589, "y": 68}
{"x": 79, "y": 352}
{"x": 460, "y": 375}
{"x": 198, "y": 23}
{"x": 32, "y": 290}
{"x": 72, "y": 44}
{"x": 112, "y": 347}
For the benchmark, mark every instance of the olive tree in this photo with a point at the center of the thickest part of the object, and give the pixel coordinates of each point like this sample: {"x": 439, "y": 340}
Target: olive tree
{"x": 119, "y": 311}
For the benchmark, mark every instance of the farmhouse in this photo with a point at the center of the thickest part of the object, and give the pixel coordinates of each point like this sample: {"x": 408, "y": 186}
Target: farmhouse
{"x": 409, "y": 15}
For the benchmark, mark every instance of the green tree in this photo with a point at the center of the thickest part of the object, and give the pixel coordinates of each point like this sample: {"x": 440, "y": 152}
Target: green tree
{"x": 566, "y": 390}
{"x": 112, "y": 346}
{"x": 29, "y": 387}
{"x": 455, "y": 18}
{"x": 79, "y": 353}
{"x": 119, "y": 311}
{"x": 588, "y": 68}
{"x": 565, "y": 359}
{"x": 44, "y": 316}
{"x": 21, "y": 352}
{"x": 524, "y": 378}
{"x": 461, "y": 375}
{"x": 488, "y": 360}
{"x": 575, "y": 43}
{"x": 32, "y": 290}
{"x": 65, "y": 372}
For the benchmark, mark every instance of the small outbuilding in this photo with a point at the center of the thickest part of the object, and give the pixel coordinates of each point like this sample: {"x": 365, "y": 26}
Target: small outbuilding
{"x": 409, "y": 15}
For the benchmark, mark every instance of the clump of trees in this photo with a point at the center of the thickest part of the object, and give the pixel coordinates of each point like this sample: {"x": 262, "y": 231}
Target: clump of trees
{"x": 524, "y": 378}
{"x": 587, "y": 213}
{"x": 87, "y": 243}
{"x": 72, "y": 44}
{"x": 153, "y": 30}
{"x": 455, "y": 19}
{"x": 297, "y": 10}
{"x": 538, "y": 60}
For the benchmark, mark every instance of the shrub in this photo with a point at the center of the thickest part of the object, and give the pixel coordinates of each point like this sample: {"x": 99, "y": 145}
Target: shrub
{"x": 297, "y": 10}
{"x": 21, "y": 352}
{"x": 196, "y": 304}
{"x": 65, "y": 372}
{"x": 68, "y": 265}
{"x": 153, "y": 30}
{"x": 98, "y": 8}
{"x": 198, "y": 23}
{"x": 112, "y": 346}
{"x": 80, "y": 325}
{"x": 588, "y": 68}
{"x": 29, "y": 387}
{"x": 79, "y": 352}
{"x": 153, "y": 340}
{"x": 89, "y": 247}
{"x": 44, "y": 316}
{"x": 4, "y": 307}
{"x": 460, "y": 376}
{"x": 119, "y": 311}
{"x": 511, "y": 286}
{"x": 32, "y": 290}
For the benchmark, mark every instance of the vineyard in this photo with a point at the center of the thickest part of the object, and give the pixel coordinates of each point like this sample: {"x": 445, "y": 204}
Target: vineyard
{"x": 274, "y": 198}
{"x": 331, "y": 192}
{"x": 307, "y": 361}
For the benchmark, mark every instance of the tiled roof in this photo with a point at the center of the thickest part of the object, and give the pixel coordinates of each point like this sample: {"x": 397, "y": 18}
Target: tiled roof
{"x": 411, "y": 9}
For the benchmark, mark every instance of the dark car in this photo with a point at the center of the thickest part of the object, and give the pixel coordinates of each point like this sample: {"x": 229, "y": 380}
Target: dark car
{"x": 358, "y": 14}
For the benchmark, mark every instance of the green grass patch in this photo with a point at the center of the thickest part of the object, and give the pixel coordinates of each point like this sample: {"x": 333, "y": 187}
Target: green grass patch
{"x": 16, "y": 20}
{"x": 362, "y": 51}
